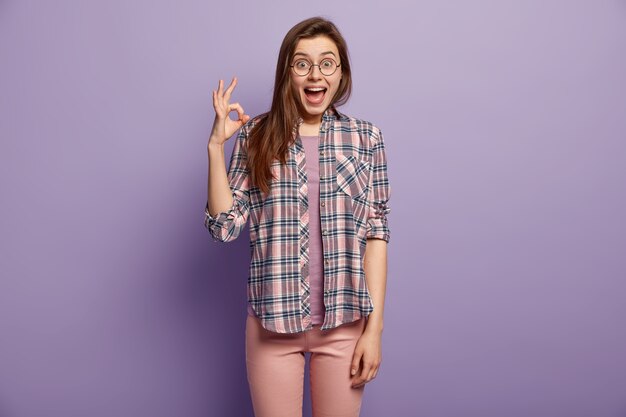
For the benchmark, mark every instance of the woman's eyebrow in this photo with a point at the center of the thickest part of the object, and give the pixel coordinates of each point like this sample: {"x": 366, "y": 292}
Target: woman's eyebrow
{"x": 323, "y": 53}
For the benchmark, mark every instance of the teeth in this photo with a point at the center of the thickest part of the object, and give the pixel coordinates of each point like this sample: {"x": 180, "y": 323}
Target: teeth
{"x": 316, "y": 89}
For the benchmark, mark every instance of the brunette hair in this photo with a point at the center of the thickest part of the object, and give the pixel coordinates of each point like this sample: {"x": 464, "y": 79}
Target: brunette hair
{"x": 274, "y": 132}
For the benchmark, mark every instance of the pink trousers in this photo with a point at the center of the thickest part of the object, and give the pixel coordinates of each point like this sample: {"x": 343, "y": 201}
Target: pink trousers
{"x": 275, "y": 367}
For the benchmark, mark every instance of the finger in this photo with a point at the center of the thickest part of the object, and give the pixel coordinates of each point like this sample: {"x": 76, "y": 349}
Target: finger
{"x": 361, "y": 378}
{"x": 230, "y": 89}
{"x": 370, "y": 376}
{"x": 220, "y": 88}
{"x": 359, "y": 382}
{"x": 356, "y": 359}
{"x": 216, "y": 105}
{"x": 366, "y": 371}
{"x": 214, "y": 98}
{"x": 237, "y": 106}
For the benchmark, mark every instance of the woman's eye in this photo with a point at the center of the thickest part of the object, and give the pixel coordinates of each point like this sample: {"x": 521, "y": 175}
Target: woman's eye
{"x": 327, "y": 64}
{"x": 302, "y": 64}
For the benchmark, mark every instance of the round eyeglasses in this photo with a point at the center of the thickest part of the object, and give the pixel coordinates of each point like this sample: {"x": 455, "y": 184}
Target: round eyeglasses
{"x": 327, "y": 67}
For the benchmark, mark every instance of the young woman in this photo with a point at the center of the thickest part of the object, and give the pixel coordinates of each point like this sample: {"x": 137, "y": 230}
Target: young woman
{"x": 313, "y": 182}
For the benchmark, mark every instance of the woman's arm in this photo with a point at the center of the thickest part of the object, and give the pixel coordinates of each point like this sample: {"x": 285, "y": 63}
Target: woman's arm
{"x": 368, "y": 351}
{"x": 220, "y": 196}
{"x": 227, "y": 192}
{"x": 219, "y": 193}
{"x": 378, "y": 234}
{"x": 375, "y": 266}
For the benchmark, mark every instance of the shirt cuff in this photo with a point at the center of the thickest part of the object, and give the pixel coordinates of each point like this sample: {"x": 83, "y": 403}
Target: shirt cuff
{"x": 226, "y": 225}
{"x": 216, "y": 222}
{"x": 377, "y": 225}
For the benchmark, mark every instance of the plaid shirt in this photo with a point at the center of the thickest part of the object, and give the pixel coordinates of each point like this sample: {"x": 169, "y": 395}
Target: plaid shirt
{"x": 354, "y": 191}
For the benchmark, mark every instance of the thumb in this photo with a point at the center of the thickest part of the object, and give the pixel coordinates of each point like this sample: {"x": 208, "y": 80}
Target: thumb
{"x": 356, "y": 359}
{"x": 241, "y": 115}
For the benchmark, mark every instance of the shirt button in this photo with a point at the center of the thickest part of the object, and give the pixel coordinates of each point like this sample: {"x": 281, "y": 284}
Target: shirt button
{"x": 324, "y": 232}
{"x": 323, "y": 204}
{"x": 321, "y": 178}
{"x": 322, "y": 153}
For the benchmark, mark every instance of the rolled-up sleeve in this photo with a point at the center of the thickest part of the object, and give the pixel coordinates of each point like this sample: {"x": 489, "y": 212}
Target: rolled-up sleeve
{"x": 379, "y": 192}
{"x": 227, "y": 225}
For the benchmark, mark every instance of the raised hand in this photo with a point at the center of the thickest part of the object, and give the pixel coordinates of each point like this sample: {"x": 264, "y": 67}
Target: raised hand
{"x": 223, "y": 126}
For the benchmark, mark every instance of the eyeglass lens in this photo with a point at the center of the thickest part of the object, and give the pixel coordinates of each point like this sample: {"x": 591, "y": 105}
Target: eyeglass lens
{"x": 326, "y": 66}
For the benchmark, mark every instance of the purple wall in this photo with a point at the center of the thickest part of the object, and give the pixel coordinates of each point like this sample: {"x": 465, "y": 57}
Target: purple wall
{"x": 505, "y": 125}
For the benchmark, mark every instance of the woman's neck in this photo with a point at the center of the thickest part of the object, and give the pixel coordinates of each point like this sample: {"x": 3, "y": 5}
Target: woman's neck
{"x": 310, "y": 129}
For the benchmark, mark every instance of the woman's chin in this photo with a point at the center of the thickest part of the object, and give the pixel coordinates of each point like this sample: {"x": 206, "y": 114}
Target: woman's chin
{"x": 314, "y": 110}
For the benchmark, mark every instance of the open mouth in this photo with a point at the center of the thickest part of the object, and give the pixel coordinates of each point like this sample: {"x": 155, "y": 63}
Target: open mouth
{"x": 315, "y": 95}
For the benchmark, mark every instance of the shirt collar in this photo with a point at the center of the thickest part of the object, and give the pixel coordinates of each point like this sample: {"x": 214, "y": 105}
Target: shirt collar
{"x": 332, "y": 113}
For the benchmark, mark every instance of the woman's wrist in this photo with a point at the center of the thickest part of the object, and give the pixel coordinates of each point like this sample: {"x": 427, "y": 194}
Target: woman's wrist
{"x": 214, "y": 146}
{"x": 374, "y": 324}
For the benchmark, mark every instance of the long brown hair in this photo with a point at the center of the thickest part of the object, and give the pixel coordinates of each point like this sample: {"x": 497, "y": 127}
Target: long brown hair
{"x": 273, "y": 133}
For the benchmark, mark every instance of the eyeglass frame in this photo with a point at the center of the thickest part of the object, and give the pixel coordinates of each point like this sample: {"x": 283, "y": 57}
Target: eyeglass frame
{"x": 315, "y": 65}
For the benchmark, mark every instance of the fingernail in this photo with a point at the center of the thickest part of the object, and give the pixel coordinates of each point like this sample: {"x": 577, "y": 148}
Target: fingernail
{"x": 353, "y": 371}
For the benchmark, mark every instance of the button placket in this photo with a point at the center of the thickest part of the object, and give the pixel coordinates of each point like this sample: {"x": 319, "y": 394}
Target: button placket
{"x": 326, "y": 180}
{"x": 303, "y": 237}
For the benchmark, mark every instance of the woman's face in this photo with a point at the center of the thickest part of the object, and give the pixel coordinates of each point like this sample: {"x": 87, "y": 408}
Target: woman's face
{"x": 315, "y": 50}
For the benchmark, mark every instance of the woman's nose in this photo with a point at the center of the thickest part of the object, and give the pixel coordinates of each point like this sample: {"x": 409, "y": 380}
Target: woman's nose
{"x": 315, "y": 72}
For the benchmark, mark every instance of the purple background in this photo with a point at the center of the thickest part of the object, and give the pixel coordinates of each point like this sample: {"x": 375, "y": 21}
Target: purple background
{"x": 505, "y": 125}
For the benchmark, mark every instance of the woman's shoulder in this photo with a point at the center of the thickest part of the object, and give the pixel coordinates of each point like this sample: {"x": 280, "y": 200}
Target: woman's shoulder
{"x": 246, "y": 128}
{"x": 363, "y": 126}
{"x": 254, "y": 121}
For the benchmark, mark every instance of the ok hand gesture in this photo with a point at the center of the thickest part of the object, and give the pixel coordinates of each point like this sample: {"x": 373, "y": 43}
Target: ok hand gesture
{"x": 223, "y": 126}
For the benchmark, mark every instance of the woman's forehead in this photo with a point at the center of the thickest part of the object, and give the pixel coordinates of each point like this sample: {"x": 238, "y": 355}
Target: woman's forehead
{"x": 317, "y": 46}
